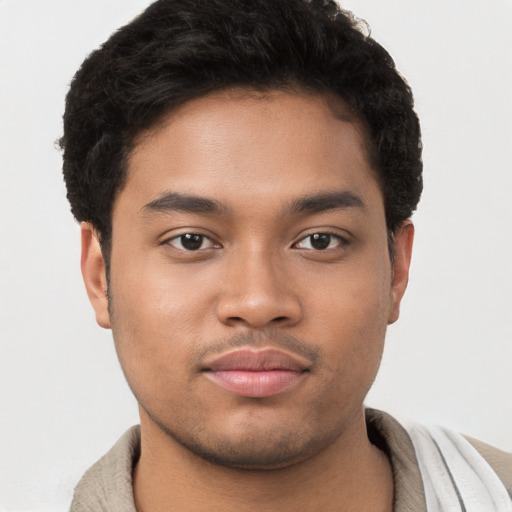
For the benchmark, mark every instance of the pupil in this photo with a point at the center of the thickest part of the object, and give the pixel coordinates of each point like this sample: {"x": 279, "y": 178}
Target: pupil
{"x": 320, "y": 241}
{"x": 191, "y": 242}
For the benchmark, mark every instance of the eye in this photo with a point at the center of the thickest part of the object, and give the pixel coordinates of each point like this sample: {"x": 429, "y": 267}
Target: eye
{"x": 321, "y": 242}
{"x": 191, "y": 242}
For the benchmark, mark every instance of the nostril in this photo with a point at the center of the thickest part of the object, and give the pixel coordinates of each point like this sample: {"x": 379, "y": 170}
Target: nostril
{"x": 239, "y": 319}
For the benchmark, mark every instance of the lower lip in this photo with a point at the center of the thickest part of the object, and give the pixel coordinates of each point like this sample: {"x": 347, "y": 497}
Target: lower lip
{"x": 256, "y": 384}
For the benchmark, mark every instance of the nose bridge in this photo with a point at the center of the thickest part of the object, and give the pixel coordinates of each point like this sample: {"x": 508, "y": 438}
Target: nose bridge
{"x": 257, "y": 291}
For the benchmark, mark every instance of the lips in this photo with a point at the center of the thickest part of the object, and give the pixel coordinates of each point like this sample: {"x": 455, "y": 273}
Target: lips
{"x": 256, "y": 373}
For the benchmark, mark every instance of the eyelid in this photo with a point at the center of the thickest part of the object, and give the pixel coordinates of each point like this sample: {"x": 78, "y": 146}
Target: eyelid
{"x": 189, "y": 231}
{"x": 344, "y": 239}
{"x": 324, "y": 231}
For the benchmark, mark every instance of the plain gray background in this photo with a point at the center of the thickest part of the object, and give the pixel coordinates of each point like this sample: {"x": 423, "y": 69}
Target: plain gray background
{"x": 64, "y": 401}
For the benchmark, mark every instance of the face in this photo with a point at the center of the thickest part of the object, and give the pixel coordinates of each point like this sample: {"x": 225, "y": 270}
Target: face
{"x": 250, "y": 282}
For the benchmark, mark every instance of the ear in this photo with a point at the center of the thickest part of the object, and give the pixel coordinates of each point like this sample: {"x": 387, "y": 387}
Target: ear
{"x": 94, "y": 274}
{"x": 402, "y": 240}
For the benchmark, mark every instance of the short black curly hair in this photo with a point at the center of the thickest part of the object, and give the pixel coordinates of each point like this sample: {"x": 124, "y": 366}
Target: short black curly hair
{"x": 177, "y": 50}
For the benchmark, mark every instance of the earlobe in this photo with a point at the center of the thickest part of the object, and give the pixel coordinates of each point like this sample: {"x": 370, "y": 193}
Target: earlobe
{"x": 94, "y": 274}
{"x": 403, "y": 241}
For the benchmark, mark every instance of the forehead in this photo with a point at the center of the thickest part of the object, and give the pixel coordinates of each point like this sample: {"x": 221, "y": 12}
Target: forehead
{"x": 273, "y": 145}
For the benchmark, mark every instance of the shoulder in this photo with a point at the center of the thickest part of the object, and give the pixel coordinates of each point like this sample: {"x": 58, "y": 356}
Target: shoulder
{"x": 392, "y": 438}
{"x": 499, "y": 460}
{"x": 455, "y": 472}
{"x": 440, "y": 460}
{"x": 107, "y": 485}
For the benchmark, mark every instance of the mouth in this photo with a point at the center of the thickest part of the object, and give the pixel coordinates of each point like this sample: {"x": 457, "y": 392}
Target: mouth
{"x": 256, "y": 373}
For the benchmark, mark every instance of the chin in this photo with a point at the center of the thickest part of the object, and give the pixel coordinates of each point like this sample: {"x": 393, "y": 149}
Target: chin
{"x": 251, "y": 454}
{"x": 248, "y": 447}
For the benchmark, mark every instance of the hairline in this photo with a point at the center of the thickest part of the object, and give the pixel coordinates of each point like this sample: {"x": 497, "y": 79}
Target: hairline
{"x": 335, "y": 101}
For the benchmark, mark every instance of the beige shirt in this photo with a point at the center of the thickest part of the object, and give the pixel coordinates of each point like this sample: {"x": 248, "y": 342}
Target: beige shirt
{"x": 107, "y": 485}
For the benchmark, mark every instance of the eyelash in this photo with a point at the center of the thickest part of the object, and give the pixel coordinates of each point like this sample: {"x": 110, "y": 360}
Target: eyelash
{"x": 183, "y": 235}
{"x": 202, "y": 238}
{"x": 342, "y": 241}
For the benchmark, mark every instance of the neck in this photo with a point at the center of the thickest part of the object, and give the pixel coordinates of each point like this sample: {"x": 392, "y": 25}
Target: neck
{"x": 350, "y": 474}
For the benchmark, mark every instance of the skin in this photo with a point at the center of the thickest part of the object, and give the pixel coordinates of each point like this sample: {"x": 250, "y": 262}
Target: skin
{"x": 256, "y": 281}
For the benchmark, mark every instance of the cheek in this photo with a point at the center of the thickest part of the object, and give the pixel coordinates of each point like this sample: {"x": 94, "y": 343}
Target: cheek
{"x": 351, "y": 312}
{"x": 153, "y": 294}
{"x": 159, "y": 316}
{"x": 152, "y": 322}
{"x": 352, "y": 351}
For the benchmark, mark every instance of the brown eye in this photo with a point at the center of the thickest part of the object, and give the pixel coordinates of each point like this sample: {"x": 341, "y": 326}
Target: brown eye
{"x": 191, "y": 242}
{"x": 321, "y": 241}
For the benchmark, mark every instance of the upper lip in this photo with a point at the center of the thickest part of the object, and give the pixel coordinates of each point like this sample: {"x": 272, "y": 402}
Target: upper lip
{"x": 248, "y": 359}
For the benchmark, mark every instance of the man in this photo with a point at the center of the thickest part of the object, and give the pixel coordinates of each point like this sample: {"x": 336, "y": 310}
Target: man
{"x": 245, "y": 173}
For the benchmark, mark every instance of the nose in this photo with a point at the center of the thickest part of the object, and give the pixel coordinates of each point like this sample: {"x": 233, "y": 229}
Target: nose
{"x": 257, "y": 293}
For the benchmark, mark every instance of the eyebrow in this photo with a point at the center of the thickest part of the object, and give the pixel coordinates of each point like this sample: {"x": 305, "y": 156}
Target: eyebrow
{"x": 324, "y": 201}
{"x": 317, "y": 203}
{"x": 173, "y": 201}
